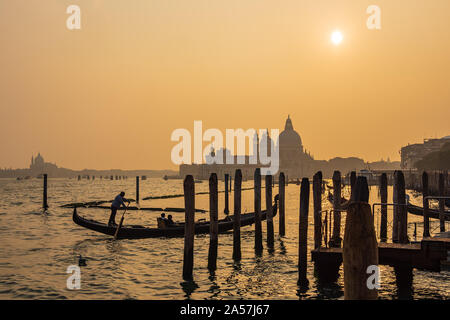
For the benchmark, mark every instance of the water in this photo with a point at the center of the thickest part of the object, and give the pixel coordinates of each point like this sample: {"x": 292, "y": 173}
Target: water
{"x": 37, "y": 248}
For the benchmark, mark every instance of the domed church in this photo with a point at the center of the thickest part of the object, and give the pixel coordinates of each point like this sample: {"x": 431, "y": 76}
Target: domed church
{"x": 293, "y": 159}
{"x": 294, "y": 162}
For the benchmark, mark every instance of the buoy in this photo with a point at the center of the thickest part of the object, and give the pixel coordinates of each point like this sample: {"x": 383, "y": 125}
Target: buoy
{"x": 81, "y": 261}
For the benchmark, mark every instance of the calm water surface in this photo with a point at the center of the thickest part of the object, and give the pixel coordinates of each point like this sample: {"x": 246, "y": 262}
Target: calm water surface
{"x": 37, "y": 248}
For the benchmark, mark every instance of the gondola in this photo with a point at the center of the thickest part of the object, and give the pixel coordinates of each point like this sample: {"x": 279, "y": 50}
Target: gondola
{"x": 413, "y": 209}
{"x": 140, "y": 232}
{"x": 432, "y": 213}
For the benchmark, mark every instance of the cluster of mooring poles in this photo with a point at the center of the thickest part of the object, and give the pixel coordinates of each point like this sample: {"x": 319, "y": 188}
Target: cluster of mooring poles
{"x": 189, "y": 196}
{"x": 360, "y": 250}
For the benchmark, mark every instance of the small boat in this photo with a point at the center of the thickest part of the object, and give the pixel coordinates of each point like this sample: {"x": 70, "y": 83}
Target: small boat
{"x": 432, "y": 213}
{"x": 140, "y": 232}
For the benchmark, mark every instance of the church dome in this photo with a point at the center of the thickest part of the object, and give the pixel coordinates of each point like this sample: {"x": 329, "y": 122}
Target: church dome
{"x": 289, "y": 138}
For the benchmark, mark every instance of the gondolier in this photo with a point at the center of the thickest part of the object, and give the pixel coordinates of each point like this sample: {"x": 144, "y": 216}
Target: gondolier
{"x": 119, "y": 200}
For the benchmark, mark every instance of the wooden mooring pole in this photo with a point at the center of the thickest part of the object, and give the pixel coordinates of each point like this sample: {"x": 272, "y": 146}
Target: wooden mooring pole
{"x": 213, "y": 227}
{"x": 303, "y": 233}
{"x": 360, "y": 249}
{"x": 281, "y": 188}
{"x": 336, "y": 239}
{"x": 237, "y": 216}
{"x": 317, "y": 195}
{"x": 383, "y": 198}
{"x": 402, "y": 208}
{"x": 395, "y": 215}
{"x": 45, "y": 204}
{"x": 352, "y": 180}
{"x": 137, "y": 189}
{"x": 441, "y": 203}
{"x": 426, "y": 219}
{"x": 269, "y": 216}
{"x": 258, "y": 227}
{"x": 189, "y": 227}
{"x": 226, "y": 210}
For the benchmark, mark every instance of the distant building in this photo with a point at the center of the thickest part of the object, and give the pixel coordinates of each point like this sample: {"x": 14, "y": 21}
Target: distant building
{"x": 293, "y": 159}
{"x": 246, "y": 163}
{"x": 412, "y": 153}
{"x": 39, "y": 166}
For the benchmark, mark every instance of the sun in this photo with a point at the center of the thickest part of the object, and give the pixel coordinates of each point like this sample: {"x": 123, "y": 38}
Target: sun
{"x": 336, "y": 37}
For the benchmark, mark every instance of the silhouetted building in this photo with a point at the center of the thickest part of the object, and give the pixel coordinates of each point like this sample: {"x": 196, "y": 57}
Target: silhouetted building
{"x": 412, "y": 153}
{"x": 39, "y": 166}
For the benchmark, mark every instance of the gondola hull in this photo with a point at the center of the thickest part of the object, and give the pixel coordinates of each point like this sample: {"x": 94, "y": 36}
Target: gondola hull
{"x": 141, "y": 232}
{"x": 432, "y": 213}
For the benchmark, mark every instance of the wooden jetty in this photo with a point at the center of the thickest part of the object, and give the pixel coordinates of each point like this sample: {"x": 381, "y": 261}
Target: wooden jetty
{"x": 431, "y": 253}
{"x": 428, "y": 254}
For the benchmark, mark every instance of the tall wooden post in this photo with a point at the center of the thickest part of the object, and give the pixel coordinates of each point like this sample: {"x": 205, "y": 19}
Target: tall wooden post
{"x": 402, "y": 208}
{"x": 258, "y": 227}
{"x": 360, "y": 249}
{"x": 237, "y": 216}
{"x": 45, "y": 204}
{"x": 213, "y": 226}
{"x": 231, "y": 180}
{"x": 269, "y": 214}
{"x": 426, "y": 219}
{"x": 226, "y": 210}
{"x": 396, "y": 209}
{"x": 441, "y": 203}
{"x": 281, "y": 187}
{"x": 303, "y": 232}
{"x": 189, "y": 227}
{"x": 317, "y": 195}
{"x": 383, "y": 198}
{"x": 352, "y": 180}
{"x": 137, "y": 189}
{"x": 336, "y": 239}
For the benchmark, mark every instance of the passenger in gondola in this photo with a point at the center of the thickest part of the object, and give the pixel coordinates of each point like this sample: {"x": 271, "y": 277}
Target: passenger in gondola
{"x": 162, "y": 221}
{"x": 119, "y": 200}
{"x": 170, "y": 221}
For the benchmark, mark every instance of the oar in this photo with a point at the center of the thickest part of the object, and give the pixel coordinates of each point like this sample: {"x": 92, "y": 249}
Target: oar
{"x": 121, "y": 222}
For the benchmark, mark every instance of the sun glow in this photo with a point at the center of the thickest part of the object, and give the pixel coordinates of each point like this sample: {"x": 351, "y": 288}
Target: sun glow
{"x": 336, "y": 37}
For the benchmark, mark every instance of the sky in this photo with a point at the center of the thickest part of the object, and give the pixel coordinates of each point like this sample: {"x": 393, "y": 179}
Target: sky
{"x": 110, "y": 94}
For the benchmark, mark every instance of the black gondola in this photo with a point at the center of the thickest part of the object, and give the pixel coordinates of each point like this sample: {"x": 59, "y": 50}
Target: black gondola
{"x": 140, "y": 232}
{"x": 432, "y": 213}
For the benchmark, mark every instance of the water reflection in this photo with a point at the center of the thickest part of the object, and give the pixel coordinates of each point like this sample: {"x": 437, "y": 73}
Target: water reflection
{"x": 283, "y": 250}
{"x": 214, "y": 288}
{"x": 326, "y": 281}
{"x": 404, "y": 282}
{"x": 188, "y": 288}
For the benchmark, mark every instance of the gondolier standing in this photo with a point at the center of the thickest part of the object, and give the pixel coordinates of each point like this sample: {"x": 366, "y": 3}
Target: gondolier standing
{"x": 119, "y": 200}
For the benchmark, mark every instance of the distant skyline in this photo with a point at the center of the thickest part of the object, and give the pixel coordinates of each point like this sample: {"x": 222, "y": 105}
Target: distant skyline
{"x": 110, "y": 95}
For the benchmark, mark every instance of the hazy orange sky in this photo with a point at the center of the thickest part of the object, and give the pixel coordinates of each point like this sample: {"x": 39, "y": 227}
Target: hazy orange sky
{"x": 110, "y": 95}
